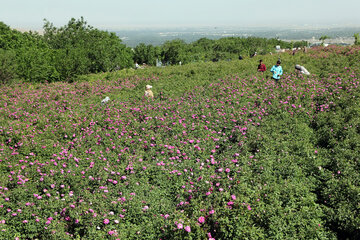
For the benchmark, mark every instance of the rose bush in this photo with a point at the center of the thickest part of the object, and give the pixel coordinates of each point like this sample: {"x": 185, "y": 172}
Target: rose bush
{"x": 217, "y": 154}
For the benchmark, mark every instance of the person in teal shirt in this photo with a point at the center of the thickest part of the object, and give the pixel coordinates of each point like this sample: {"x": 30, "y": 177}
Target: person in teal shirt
{"x": 277, "y": 71}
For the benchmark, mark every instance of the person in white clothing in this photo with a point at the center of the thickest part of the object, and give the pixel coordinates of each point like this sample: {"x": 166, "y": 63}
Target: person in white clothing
{"x": 105, "y": 100}
{"x": 302, "y": 69}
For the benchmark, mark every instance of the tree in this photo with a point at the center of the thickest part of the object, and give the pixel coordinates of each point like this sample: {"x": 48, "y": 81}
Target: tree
{"x": 7, "y": 66}
{"x": 323, "y": 38}
{"x": 31, "y": 55}
{"x": 357, "y": 39}
{"x": 302, "y": 43}
{"x": 175, "y": 51}
{"x": 82, "y": 49}
{"x": 146, "y": 54}
{"x": 204, "y": 43}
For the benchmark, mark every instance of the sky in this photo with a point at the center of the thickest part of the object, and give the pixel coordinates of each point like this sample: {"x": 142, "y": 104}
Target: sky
{"x": 121, "y": 14}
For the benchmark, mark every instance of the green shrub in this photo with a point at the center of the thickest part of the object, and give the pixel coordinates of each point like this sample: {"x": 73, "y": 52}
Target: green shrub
{"x": 7, "y": 66}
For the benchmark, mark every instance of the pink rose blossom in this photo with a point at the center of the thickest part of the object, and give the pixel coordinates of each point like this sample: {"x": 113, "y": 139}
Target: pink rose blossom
{"x": 201, "y": 219}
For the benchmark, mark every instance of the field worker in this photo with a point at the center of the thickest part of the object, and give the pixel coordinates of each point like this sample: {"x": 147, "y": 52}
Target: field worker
{"x": 148, "y": 92}
{"x": 105, "y": 100}
{"x": 277, "y": 71}
{"x": 261, "y": 66}
{"x": 302, "y": 69}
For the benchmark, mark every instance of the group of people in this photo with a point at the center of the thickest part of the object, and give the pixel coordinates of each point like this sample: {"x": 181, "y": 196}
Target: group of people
{"x": 277, "y": 70}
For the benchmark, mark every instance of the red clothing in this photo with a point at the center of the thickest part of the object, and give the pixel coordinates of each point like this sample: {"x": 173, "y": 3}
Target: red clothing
{"x": 261, "y": 68}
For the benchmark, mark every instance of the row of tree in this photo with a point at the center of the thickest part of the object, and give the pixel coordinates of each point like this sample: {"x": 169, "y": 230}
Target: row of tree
{"x": 204, "y": 49}
{"x": 77, "y": 48}
{"x": 60, "y": 53}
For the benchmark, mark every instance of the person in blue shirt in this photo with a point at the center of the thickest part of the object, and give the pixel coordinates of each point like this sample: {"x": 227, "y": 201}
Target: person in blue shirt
{"x": 277, "y": 71}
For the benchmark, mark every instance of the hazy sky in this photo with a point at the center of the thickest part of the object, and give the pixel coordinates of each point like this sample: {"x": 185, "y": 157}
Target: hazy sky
{"x": 110, "y": 14}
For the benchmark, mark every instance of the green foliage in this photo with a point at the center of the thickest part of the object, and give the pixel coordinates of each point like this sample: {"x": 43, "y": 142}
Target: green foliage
{"x": 81, "y": 49}
{"x": 323, "y": 38}
{"x": 9, "y": 39}
{"x": 222, "y": 49}
{"x": 77, "y": 48}
{"x": 222, "y": 152}
{"x": 357, "y": 39}
{"x": 33, "y": 61}
{"x": 7, "y": 66}
{"x": 36, "y": 64}
{"x": 300, "y": 44}
{"x": 64, "y": 53}
{"x": 175, "y": 51}
{"x": 147, "y": 54}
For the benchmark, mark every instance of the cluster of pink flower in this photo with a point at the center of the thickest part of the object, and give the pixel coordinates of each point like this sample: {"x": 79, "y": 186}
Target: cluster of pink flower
{"x": 325, "y": 52}
{"x": 70, "y": 156}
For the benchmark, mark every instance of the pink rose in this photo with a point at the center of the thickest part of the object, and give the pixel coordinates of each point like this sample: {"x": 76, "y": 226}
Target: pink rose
{"x": 201, "y": 219}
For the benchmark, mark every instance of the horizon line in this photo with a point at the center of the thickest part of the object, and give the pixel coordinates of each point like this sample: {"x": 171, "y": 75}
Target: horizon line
{"x": 209, "y": 26}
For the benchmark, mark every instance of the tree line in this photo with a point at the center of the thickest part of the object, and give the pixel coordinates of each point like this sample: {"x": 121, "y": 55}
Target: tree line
{"x": 61, "y": 54}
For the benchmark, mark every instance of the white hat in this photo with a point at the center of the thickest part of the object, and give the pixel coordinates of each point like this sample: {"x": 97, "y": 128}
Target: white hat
{"x": 148, "y": 86}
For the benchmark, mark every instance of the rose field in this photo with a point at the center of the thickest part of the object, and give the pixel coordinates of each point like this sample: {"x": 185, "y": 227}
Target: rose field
{"x": 221, "y": 152}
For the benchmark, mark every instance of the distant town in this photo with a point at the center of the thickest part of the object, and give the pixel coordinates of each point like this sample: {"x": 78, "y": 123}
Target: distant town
{"x": 337, "y": 35}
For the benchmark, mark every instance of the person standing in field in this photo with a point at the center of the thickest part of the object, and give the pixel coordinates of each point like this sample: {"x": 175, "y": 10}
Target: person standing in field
{"x": 277, "y": 71}
{"x": 261, "y": 66}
